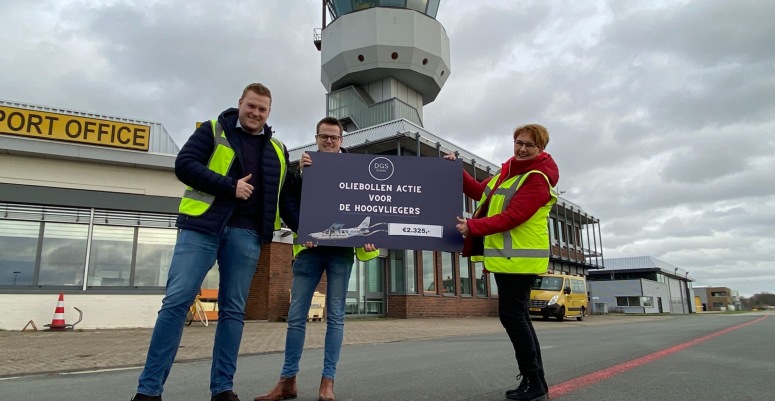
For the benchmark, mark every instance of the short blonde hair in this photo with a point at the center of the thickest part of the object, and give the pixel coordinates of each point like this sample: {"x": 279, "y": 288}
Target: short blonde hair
{"x": 258, "y": 89}
{"x": 539, "y": 133}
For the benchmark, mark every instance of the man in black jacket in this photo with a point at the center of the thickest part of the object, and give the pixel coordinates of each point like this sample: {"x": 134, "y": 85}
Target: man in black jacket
{"x": 235, "y": 172}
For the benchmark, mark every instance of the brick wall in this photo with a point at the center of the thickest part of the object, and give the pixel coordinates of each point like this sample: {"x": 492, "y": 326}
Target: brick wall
{"x": 413, "y": 306}
{"x": 269, "y": 295}
{"x": 270, "y": 292}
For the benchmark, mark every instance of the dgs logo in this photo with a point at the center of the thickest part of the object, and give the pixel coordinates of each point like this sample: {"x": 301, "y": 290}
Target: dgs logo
{"x": 381, "y": 168}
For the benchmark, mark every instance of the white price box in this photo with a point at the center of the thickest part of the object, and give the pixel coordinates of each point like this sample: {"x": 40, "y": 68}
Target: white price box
{"x": 415, "y": 230}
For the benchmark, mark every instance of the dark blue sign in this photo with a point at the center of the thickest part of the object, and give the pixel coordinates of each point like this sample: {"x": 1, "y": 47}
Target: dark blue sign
{"x": 394, "y": 202}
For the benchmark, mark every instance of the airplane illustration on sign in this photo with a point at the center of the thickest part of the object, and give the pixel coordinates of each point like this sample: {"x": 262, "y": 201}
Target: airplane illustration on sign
{"x": 336, "y": 231}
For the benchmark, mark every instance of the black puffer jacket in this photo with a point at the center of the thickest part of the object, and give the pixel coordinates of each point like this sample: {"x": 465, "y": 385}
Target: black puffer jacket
{"x": 191, "y": 169}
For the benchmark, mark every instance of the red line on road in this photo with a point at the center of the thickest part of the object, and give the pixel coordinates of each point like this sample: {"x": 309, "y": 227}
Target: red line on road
{"x": 607, "y": 373}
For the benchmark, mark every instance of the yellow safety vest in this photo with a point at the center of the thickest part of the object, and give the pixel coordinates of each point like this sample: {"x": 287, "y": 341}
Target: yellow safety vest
{"x": 523, "y": 249}
{"x": 360, "y": 253}
{"x": 196, "y": 203}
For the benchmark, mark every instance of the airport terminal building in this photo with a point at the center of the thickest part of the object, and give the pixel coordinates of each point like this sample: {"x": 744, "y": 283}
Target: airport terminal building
{"x": 87, "y": 207}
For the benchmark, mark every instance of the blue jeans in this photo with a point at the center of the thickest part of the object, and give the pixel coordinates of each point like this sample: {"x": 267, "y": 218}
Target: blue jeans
{"x": 307, "y": 271}
{"x": 195, "y": 253}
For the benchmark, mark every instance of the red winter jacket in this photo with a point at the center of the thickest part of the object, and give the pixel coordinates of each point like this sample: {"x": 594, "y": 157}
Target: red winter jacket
{"x": 530, "y": 197}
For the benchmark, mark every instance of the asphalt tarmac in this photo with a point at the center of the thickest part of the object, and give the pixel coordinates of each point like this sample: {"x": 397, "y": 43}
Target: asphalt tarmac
{"x": 679, "y": 357}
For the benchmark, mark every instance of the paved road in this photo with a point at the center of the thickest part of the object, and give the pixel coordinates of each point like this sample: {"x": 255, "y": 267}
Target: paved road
{"x": 46, "y": 352}
{"x": 684, "y": 358}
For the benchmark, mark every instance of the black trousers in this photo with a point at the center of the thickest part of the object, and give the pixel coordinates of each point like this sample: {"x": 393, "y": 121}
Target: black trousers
{"x": 513, "y": 302}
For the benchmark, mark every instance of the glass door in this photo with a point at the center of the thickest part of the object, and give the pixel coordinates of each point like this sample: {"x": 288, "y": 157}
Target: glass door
{"x": 366, "y": 291}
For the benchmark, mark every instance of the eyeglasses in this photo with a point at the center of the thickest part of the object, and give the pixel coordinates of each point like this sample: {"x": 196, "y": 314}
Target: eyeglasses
{"x": 332, "y": 138}
{"x": 527, "y": 145}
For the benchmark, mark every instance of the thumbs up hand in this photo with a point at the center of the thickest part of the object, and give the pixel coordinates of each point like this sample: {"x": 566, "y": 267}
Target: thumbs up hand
{"x": 244, "y": 190}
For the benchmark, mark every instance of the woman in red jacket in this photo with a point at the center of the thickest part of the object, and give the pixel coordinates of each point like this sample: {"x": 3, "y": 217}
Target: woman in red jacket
{"x": 509, "y": 233}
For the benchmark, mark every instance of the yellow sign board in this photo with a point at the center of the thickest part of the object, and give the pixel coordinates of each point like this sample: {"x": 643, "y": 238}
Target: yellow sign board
{"x": 64, "y": 127}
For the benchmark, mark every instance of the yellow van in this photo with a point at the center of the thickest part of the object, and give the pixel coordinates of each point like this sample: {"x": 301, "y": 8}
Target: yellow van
{"x": 559, "y": 295}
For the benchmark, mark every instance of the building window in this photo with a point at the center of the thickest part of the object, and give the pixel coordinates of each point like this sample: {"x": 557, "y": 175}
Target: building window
{"x": 428, "y": 272}
{"x": 411, "y": 272}
{"x": 110, "y": 257}
{"x": 433, "y": 8}
{"x": 392, "y": 3}
{"x": 467, "y": 204}
{"x": 403, "y": 276}
{"x": 719, "y": 294}
{"x": 46, "y": 247}
{"x": 481, "y": 283}
{"x": 561, "y": 232}
{"x": 553, "y": 231}
{"x": 628, "y": 301}
{"x": 418, "y": 5}
{"x": 18, "y": 251}
{"x": 63, "y": 254}
{"x": 465, "y": 276}
{"x": 373, "y": 275}
{"x": 647, "y": 301}
{"x": 448, "y": 273}
{"x": 155, "y": 247}
{"x": 493, "y": 286}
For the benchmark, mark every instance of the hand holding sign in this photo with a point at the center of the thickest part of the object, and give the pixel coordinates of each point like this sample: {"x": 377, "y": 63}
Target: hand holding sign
{"x": 462, "y": 226}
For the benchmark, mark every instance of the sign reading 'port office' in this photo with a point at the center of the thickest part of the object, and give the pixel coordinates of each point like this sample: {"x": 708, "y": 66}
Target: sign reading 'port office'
{"x": 65, "y": 127}
{"x": 395, "y": 202}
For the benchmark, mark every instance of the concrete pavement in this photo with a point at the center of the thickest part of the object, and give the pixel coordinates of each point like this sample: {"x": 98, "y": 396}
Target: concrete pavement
{"x": 41, "y": 352}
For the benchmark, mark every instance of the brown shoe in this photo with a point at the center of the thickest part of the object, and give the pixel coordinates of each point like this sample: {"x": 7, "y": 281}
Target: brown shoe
{"x": 326, "y": 390}
{"x": 285, "y": 389}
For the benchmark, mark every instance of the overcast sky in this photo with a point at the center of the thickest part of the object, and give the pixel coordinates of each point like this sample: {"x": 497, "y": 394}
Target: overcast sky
{"x": 662, "y": 117}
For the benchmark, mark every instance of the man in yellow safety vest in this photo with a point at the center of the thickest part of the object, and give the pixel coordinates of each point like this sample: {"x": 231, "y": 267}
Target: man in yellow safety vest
{"x": 311, "y": 261}
{"x": 235, "y": 171}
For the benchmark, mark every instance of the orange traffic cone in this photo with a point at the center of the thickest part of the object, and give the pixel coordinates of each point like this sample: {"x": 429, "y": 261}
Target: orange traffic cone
{"x": 58, "y": 322}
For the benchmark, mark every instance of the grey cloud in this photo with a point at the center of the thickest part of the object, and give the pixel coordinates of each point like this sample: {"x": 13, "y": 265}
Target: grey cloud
{"x": 701, "y": 55}
{"x": 487, "y": 36}
{"x": 191, "y": 62}
{"x": 703, "y": 32}
{"x": 720, "y": 96}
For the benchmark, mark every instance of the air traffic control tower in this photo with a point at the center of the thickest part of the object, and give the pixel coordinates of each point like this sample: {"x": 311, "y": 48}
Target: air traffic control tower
{"x": 381, "y": 60}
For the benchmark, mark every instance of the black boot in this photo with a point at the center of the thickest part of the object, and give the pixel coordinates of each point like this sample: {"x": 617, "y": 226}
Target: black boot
{"x": 531, "y": 389}
{"x": 545, "y": 384}
{"x": 519, "y": 388}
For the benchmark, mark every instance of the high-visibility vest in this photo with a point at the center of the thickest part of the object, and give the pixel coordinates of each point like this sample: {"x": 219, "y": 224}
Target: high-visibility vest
{"x": 523, "y": 249}
{"x": 196, "y": 203}
{"x": 360, "y": 253}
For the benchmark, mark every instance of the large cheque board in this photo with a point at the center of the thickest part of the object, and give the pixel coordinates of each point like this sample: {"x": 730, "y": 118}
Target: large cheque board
{"x": 394, "y": 202}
